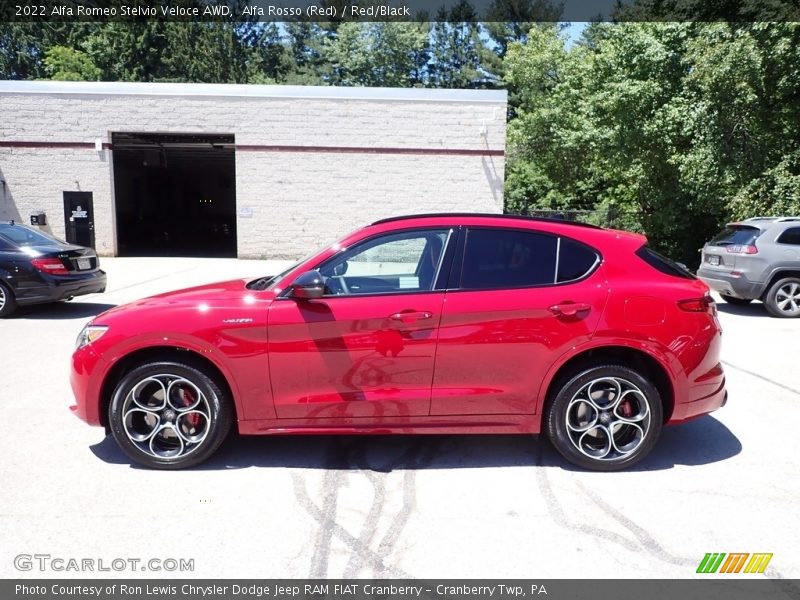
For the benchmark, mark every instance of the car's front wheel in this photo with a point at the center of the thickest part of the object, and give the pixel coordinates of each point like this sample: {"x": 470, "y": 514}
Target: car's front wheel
{"x": 168, "y": 415}
{"x": 8, "y": 303}
{"x": 783, "y": 298}
{"x": 605, "y": 418}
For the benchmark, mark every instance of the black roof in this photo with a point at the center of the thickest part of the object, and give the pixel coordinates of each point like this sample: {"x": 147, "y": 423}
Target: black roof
{"x": 487, "y": 215}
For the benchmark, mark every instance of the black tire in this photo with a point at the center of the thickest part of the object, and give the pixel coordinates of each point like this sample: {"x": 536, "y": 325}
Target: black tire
{"x": 591, "y": 448}
{"x": 783, "y": 298}
{"x": 159, "y": 434}
{"x": 737, "y": 301}
{"x": 8, "y": 303}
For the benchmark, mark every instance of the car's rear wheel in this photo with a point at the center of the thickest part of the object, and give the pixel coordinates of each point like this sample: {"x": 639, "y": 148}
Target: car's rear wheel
{"x": 736, "y": 301}
{"x": 605, "y": 418}
{"x": 8, "y": 304}
{"x": 783, "y": 298}
{"x": 168, "y": 415}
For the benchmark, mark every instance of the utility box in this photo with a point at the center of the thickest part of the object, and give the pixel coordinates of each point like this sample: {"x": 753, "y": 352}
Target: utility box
{"x": 38, "y": 219}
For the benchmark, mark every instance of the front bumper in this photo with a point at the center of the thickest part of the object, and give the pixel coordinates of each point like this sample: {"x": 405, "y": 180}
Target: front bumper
{"x": 85, "y": 386}
{"x": 54, "y": 289}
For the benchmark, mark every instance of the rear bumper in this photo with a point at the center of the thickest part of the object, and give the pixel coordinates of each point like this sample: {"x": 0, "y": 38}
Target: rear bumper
{"x": 53, "y": 289}
{"x": 689, "y": 410}
{"x": 728, "y": 285}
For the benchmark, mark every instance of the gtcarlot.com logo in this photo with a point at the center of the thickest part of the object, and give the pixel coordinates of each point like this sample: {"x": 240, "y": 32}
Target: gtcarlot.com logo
{"x": 735, "y": 562}
{"x": 58, "y": 564}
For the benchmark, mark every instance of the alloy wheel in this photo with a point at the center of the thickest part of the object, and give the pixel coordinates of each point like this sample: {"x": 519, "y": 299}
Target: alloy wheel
{"x": 787, "y": 298}
{"x": 166, "y": 416}
{"x": 608, "y": 419}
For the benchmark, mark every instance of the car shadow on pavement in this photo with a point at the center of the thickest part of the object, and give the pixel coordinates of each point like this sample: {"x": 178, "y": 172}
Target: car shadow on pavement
{"x": 61, "y": 310}
{"x": 697, "y": 442}
{"x": 754, "y": 309}
{"x": 702, "y": 441}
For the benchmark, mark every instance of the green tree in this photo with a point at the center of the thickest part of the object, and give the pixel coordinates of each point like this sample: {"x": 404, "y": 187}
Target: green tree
{"x": 23, "y": 46}
{"x": 457, "y": 50}
{"x": 305, "y": 44}
{"x": 508, "y": 22}
{"x": 268, "y": 59}
{"x": 681, "y": 124}
{"x": 377, "y": 53}
{"x": 68, "y": 64}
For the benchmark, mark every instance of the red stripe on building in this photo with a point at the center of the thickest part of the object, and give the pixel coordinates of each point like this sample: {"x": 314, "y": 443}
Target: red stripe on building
{"x": 262, "y": 148}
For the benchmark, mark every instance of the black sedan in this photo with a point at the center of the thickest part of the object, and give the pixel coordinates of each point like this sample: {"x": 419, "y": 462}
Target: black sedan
{"x": 36, "y": 268}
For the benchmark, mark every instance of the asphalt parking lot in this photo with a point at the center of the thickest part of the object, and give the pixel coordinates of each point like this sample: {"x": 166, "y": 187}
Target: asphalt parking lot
{"x": 423, "y": 507}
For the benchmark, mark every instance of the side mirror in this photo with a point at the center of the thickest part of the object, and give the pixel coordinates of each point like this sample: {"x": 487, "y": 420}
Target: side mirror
{"x": 307, "y": 286}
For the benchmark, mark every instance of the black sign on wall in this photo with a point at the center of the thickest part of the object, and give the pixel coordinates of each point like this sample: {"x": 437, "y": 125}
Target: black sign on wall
{"x": 79, "y": 218}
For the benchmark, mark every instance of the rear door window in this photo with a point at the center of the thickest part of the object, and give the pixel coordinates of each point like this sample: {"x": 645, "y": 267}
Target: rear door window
{"x": 507, "y": 258}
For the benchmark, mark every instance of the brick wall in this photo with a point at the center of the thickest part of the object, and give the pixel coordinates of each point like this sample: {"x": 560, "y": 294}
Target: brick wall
{"x": 287, "y": 201}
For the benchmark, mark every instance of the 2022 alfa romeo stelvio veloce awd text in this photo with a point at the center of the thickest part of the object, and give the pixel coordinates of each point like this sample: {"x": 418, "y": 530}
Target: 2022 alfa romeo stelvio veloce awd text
{"x": 425, "y": 324}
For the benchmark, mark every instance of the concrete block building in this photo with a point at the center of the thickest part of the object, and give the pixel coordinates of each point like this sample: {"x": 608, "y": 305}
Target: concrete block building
{"x": 168, "y": 169}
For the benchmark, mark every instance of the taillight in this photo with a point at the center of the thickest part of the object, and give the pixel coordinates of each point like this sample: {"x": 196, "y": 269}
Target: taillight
{"x": 741, "y": 249}
{"x": 52, "y": 266}
{"x": 704, "y": 304}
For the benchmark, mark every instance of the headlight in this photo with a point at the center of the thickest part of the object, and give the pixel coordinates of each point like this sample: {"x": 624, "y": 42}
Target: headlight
{"x": 89, "y": 334}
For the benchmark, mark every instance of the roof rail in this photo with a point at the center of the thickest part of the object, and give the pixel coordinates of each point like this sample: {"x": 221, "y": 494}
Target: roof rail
{"x": 487, "y": 215}
{"x": 770, "y": 219}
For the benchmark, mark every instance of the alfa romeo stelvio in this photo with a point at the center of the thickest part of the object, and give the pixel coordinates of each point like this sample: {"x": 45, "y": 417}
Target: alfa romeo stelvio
{"x": 425, "y": 324}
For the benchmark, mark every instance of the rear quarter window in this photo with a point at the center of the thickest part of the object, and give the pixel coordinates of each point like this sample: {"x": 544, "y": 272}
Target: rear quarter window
{"x": 790, "y": 236}
{"x": 575, "y": 260}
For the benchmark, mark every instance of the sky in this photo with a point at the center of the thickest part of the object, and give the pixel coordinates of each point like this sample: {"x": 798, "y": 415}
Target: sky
{"x": 573, "y": 31}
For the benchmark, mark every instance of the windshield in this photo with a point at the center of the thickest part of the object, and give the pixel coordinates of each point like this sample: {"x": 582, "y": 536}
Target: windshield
{"x": 23, "y": 236}
{"x": 738, "y": 235}
{"x": 271, "y": 280}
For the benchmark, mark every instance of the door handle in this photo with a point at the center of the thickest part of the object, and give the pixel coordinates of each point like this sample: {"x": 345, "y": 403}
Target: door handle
{"x": 569, "y": 309}
{"x": 409, "y": 316}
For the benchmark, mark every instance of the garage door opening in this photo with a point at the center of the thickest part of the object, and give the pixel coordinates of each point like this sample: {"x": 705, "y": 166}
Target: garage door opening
{"x": 175, "y": 194}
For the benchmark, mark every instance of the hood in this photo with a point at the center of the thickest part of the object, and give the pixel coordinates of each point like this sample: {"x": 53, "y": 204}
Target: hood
{"x": 226, "y": 296}
{"x": 232, "y": 290}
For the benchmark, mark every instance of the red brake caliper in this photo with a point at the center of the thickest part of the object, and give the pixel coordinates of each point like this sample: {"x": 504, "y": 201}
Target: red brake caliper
{"x": 188, "y": 399}
{"x": 627, "y": 409}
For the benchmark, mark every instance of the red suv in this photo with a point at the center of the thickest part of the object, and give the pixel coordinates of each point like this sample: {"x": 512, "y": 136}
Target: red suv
{"x": 423, "y": 324}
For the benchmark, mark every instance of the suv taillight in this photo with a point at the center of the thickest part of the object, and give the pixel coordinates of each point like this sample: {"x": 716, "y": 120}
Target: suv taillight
{"x": 704, "y": 304}
{"x": 52, "y": 266}
{"x": 741, "y": 249}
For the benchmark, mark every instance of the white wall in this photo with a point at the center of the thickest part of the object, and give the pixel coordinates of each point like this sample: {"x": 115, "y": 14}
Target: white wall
{"x": 298, "y": 200}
